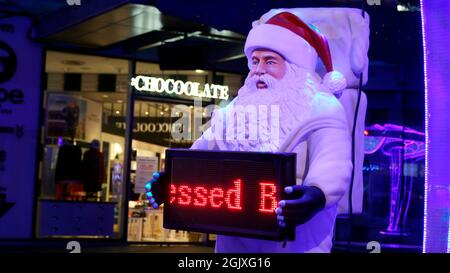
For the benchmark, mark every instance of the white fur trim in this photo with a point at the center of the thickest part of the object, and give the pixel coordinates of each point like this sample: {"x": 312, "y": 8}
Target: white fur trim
{"x": 334, "y": 81}
{"x": 285, "y": 42}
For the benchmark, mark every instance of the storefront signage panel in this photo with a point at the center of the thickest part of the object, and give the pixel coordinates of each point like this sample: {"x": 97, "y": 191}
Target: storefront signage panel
{"x": 232, "y": 193}
{"x": 20, "y": 79}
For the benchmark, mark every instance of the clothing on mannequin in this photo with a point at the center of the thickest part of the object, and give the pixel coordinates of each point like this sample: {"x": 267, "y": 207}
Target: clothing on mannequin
{"x": 67, "y": 173}
{"x": 93, "y": 172}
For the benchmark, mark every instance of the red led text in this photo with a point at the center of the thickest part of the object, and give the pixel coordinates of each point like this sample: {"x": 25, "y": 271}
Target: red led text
{"x": 202, "y": 197}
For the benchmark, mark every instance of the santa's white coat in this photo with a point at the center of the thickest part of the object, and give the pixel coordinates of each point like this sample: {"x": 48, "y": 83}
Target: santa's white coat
{"x": 322, "y": 143}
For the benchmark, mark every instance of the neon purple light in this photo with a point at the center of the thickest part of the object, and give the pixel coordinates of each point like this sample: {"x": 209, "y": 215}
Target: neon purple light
{"x": 402, "y": 145}
{"x": 411, "y": 149}
{"x": 436, "y": 57}
{"x": 425, "y": 214}
{"x": 401, "y": 190}
{"x": 391, "y": 135}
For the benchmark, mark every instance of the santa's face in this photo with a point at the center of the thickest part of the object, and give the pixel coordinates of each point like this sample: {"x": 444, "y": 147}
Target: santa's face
{"x": 266, "y": 64}
{"x": 261, "y": 118}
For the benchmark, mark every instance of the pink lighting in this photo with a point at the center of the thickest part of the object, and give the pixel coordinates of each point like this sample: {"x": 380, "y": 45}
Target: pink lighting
{"x": 231, "y": 199}
{"x": 201, "y": 197}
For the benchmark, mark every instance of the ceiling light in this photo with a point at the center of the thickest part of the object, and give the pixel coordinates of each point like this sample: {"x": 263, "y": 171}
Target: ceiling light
{"x": 117, "y": 112}
{"x": 199, "y": 71}
{"x": 146, "y": 113}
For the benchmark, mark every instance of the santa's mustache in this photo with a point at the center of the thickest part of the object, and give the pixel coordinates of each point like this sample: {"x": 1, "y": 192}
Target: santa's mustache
{"x": 268, "y": 80}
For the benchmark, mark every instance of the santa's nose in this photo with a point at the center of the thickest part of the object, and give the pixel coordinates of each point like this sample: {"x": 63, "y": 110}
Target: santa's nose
{"x": 260, "y": 69}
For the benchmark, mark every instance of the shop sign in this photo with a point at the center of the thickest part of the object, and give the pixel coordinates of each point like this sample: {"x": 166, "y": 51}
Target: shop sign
{"x": 8, "y": 62}
{"x": 17, "y": 130}
{"x": 9, "y": 98}
{"x": 155, "y": 130}
{"x": 153, "y": 85}
{"x": 20, "y": 89}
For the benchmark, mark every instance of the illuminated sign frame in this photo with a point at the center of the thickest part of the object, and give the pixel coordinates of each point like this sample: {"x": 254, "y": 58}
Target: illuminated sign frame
{"x": 170, "y": 86}
{"x": 219, "y": 215}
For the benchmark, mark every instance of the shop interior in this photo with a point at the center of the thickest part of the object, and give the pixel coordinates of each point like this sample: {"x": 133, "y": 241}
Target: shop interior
{"x": 85, "y": 105}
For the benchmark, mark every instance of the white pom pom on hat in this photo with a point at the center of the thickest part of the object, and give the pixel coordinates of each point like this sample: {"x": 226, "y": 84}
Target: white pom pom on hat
{"x": 334, "y": 81}
{"x": 298, "y": 43}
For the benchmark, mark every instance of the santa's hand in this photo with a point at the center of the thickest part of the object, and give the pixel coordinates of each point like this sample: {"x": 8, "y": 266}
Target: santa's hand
{"x": 155, "y": 190}
{"x": 302, "y": 204}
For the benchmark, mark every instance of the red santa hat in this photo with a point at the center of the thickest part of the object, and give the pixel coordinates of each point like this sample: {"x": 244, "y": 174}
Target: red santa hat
{"x": 298, "y": 43}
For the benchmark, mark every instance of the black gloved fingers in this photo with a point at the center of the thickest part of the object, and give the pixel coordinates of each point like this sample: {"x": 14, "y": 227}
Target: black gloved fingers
{"x": 155, "y": 191}
{"x": 160, "y": 191}
{"x": 293, "y": 204}
{"x": 296, "y": 211}
{"x": 149, "y": 187}
{"x": 293, "y": 212}
{"x": 294, "y": 192}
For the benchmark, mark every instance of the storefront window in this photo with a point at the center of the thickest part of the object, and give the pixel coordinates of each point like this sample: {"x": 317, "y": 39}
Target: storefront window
{"x": 81, "y": 177}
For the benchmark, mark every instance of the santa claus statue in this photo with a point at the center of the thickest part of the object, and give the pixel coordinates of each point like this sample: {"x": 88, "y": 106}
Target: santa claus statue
{"x": 285, "y": 106}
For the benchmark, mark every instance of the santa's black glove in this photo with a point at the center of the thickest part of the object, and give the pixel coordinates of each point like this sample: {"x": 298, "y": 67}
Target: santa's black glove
{"x": 302, "y": 204}
{"x": 155, "y": 190}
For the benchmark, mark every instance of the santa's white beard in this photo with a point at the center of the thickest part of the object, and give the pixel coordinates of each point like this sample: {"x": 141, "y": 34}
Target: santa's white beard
{"x": 260, "y": 119}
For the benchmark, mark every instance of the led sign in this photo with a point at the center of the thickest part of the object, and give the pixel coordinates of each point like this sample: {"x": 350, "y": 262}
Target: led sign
{"x": 233, "y": 193}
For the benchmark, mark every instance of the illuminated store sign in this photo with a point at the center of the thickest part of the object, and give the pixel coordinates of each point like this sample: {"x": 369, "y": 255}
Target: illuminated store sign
{"x": 232, "y": 193}
{"x": 155, "y": 130}
{"x": 177, "y": 87}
